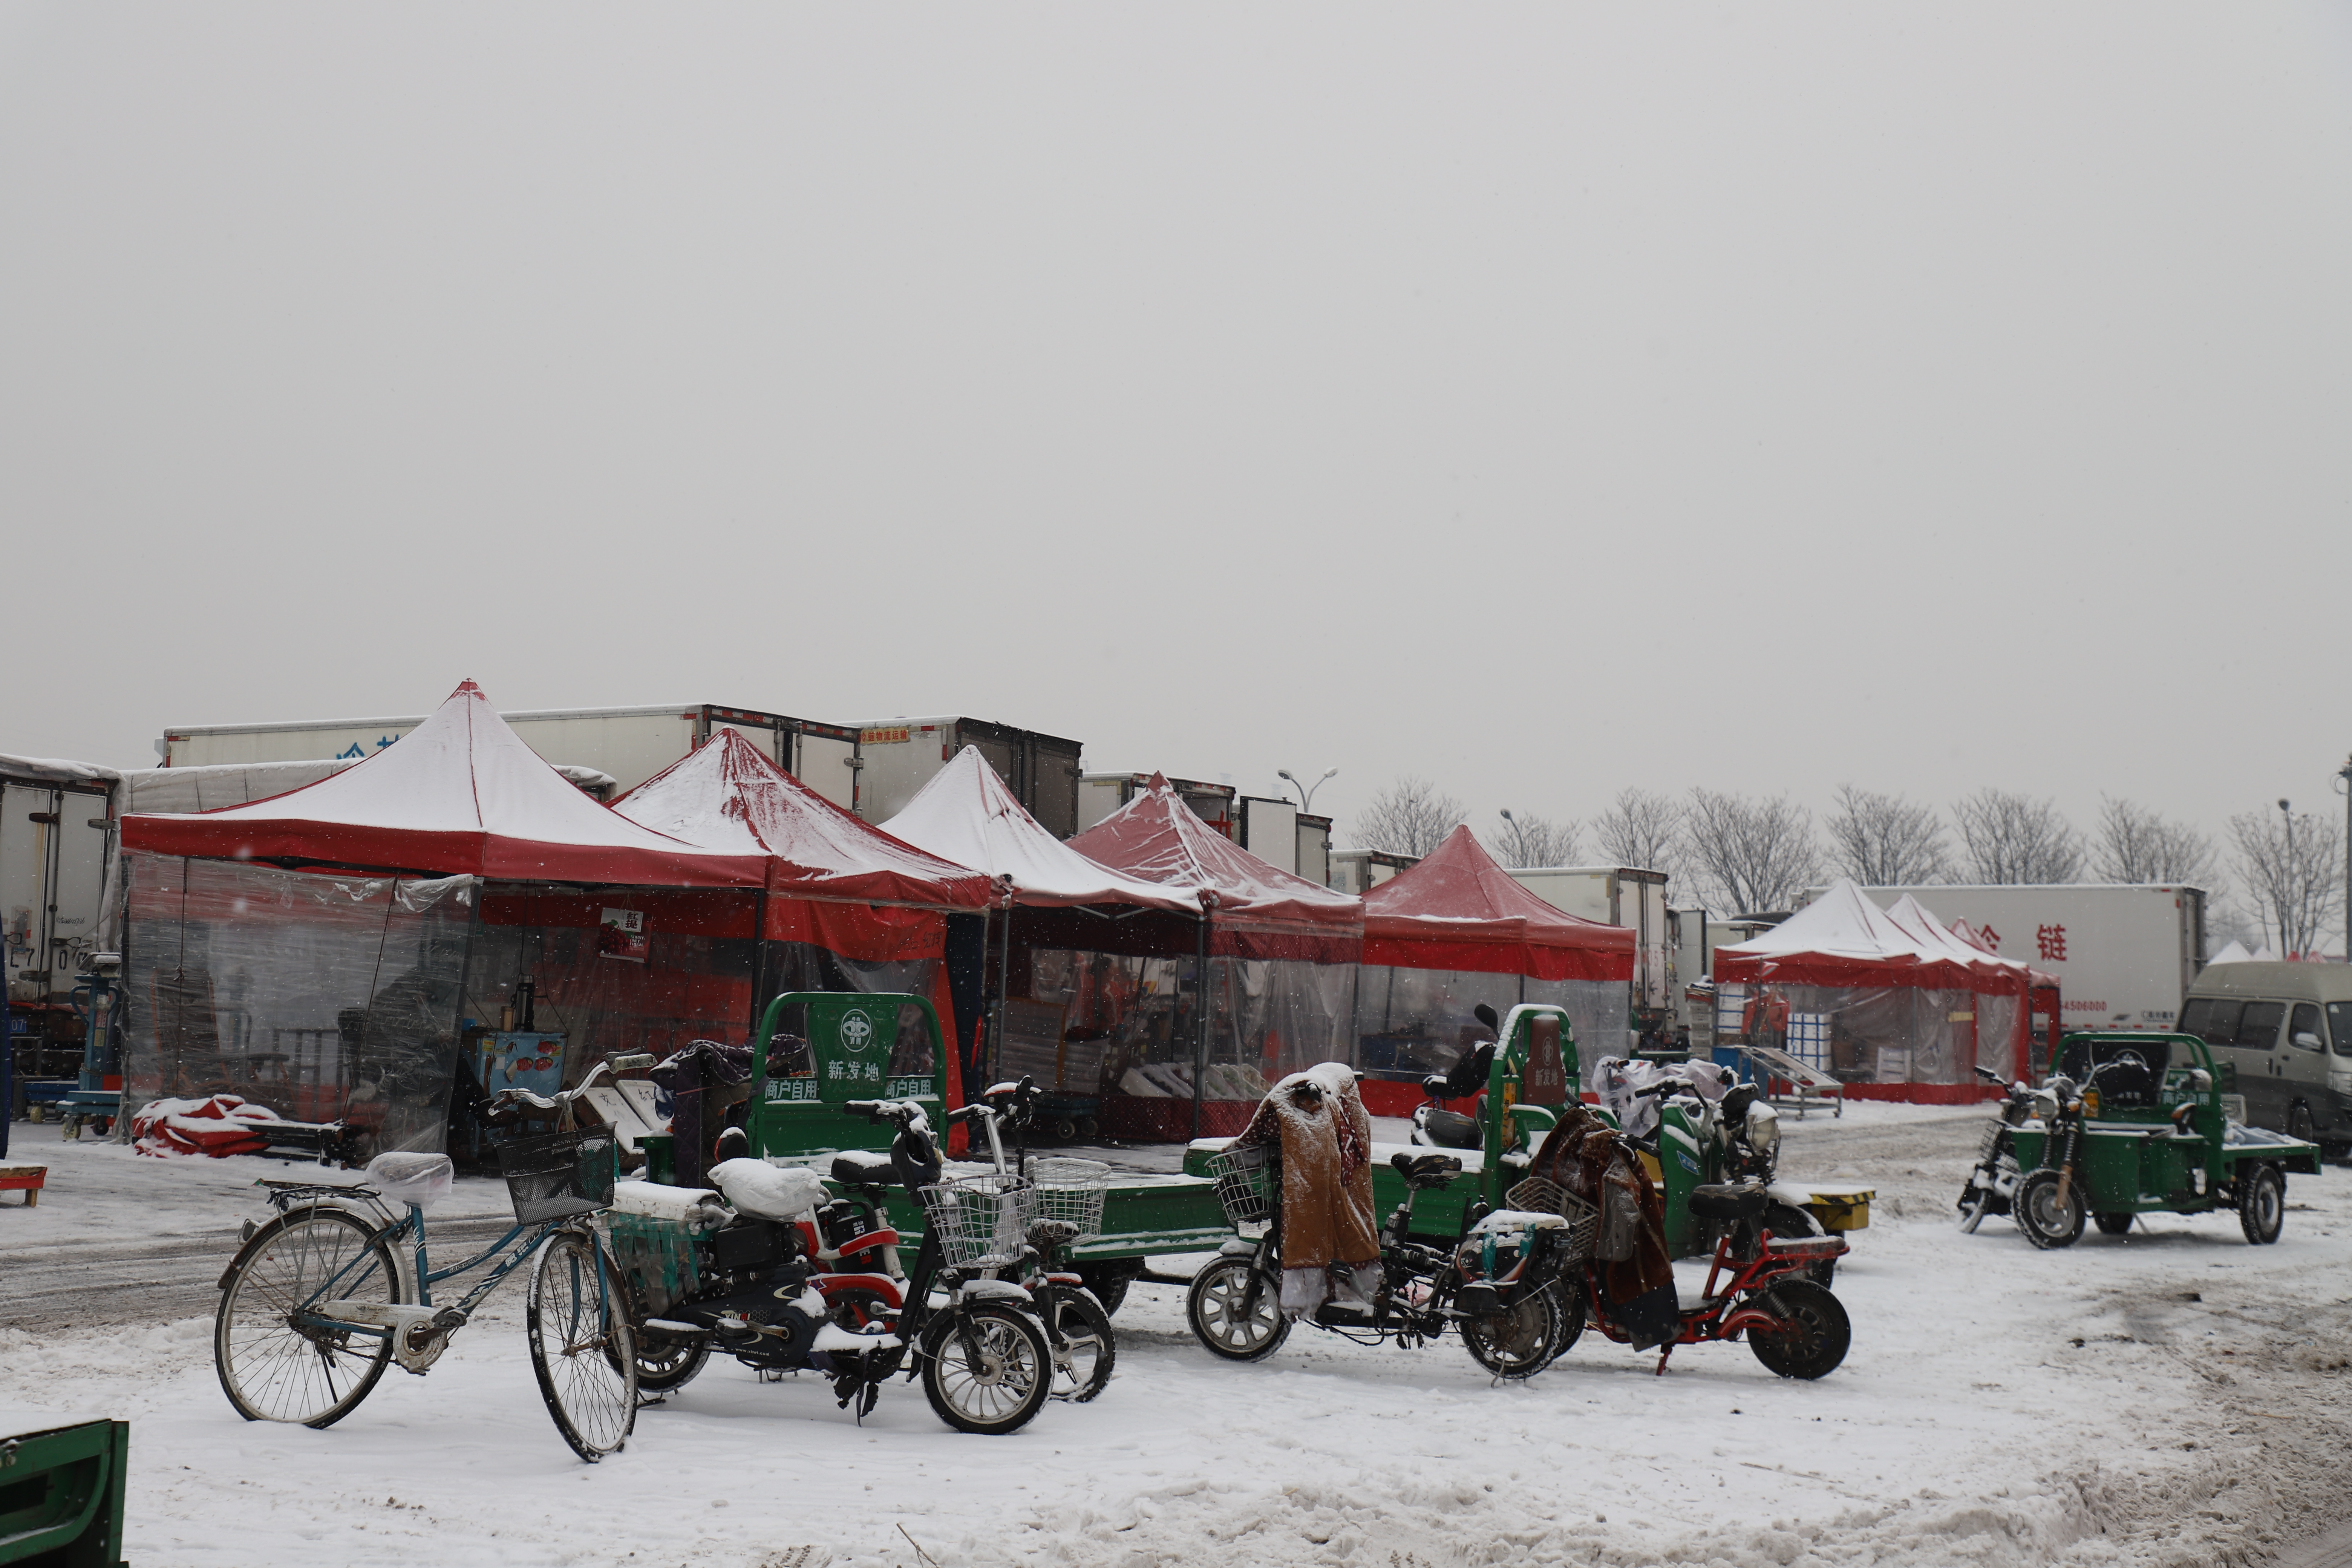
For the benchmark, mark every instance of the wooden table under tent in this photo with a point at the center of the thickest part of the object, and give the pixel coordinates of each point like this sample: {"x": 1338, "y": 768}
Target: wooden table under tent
{"x": 1892, "y": 1003}
{"x": 1082, "y": 960}
{"x": 1456, "y": 930}
{"x": 1268, "y": 988}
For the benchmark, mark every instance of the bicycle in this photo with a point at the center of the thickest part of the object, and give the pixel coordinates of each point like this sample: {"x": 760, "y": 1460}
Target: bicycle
{"x": 1066, "y": 1205}
{"x": 315, "y": 1307}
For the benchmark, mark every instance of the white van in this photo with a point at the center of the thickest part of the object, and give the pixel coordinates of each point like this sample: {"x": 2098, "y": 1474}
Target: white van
{"x": 2287, "y": 1029}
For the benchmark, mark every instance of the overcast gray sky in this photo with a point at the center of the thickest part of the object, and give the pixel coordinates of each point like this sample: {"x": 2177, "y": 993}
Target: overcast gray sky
{"x": 1542, "y": 398}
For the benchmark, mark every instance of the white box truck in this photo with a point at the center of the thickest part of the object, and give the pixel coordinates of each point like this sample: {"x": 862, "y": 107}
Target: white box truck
{"x": 899, "y": 756}
{"x": 632, "y": 744}
{"x": 2124, "y": 955}
{"x": 1618, "y": 896}
{"x": 55, "y": 825}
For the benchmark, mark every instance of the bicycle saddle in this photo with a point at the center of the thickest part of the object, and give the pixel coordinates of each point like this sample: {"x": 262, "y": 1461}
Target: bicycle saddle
{"x": 1721, "y": 1201}
{"x": 401, "y": 1177}
{"x": 1426, "y": 1170}
{"x": 862, "y": 1168}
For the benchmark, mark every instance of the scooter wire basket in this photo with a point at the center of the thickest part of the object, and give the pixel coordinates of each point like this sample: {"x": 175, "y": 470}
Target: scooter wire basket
{"x": 981, "y": 1221}
{"x": 1536, "y": 1195}
{"x": 1072, "y": 1190}
{"x": 1246, "y": 1181}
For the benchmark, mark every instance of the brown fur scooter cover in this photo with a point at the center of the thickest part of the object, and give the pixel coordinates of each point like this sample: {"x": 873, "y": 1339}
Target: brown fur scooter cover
{"x": 1330, "y": 1236}
{"x": 1587, "y": 1157}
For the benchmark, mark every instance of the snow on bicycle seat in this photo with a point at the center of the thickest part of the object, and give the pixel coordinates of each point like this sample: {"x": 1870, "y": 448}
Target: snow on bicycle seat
{"x": 862, "y": 1167}
{"x": 420, "y": 1180}
{"x": 767, "y": 1192}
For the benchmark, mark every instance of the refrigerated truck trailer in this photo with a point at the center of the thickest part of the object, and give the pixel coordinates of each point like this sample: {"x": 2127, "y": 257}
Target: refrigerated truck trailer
{"x": 632, "y": 744}
{"x": 2125, "y": 954}
{"x": 1618, "y": 896}
{"x": 56, "y": 820}
{"x": 899, "y": 756}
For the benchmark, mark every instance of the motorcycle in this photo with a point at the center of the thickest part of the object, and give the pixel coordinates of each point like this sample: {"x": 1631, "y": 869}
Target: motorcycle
{"x": 2050, "y": 1204}
{"x": 783, "y": 1293}
{"x": 1992, "y": 1185}
{"x": 1495, "y": 1285}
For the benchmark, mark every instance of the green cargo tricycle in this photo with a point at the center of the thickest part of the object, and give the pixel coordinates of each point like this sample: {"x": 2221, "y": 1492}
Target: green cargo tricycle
{"x": 2130, "y": 1123}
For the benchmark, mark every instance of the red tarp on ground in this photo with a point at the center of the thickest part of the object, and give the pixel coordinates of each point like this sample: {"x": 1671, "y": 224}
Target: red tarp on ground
{"x": 966, "y": 814}
{"x": 459, "y": 794}
{"x": 1259, "y": 910}
{"x": 1458, "y": 910}
{"x": 727, "y": 798}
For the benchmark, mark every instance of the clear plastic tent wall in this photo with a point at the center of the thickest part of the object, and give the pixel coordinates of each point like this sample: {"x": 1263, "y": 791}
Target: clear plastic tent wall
{"x": 1410, "y": 1023}
{"x": 1898, "y": 1034}
{"x": 318, "y": 996}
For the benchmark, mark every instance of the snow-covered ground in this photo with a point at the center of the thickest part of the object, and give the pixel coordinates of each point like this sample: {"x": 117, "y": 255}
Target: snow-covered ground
{"x": 2171, "y": 1396}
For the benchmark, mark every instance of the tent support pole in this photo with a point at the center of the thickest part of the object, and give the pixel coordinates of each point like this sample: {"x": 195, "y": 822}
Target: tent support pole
{"x": 1200, "y": 1021}
{"x": 758, "y": 970}
{"x": 1003, "y": 989}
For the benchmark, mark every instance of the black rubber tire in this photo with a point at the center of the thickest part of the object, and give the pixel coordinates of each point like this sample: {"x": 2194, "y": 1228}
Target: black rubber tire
{"x": 1094, "y": 1346}
{"x": 2299, "y": 1123}
{"x": 1108, "y": 1282}
{"x": 1018, "y": 1360}
{"x": 1520, "y": 1341}
{"x": 2113, "y": 1224}
{"x": 1211, "y": 1307}
{"x": 2047, "y": 1223}
{"x": 666, "y": 1363}
{"x": 1972, "y": 1208}
{"x": 1574, "y": 1313}
{"x": 581, "y": 1344}
{"x": 1819, "y": 1336}
{"x": 254, "y": 1337}
{"x": 1066, "y": 1130}
{"x": 2261, "y": 1205}
{"x": 1088, "y": 1129}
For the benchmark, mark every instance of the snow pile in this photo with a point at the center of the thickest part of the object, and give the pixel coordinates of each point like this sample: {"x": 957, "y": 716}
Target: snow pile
{"x": 219, "y": 1125}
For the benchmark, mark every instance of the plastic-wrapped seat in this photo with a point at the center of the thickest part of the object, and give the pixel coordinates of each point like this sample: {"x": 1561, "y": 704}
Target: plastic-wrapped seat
{"x": 417, "y": 1180}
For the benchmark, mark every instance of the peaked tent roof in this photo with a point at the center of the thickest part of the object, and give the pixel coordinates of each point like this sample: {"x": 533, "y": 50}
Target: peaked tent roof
{"x": 1458, "y": 910}
{"x": 1843, "y": 939}
{"x": 1933, "y": 936}
{"x": 459, "y": 794}
{"x": 965, "y": 814}
{"x": 1158, "y": 837}
{"x": 728, "y": 796}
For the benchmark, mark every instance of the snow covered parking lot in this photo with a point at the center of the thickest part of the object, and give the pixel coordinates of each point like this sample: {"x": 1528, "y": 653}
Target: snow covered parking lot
{"x": 2171, "y": 1396}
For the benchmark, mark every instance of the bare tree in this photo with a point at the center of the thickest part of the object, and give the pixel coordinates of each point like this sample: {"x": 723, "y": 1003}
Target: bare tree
{"x": 1526, "y": 839}
{"x": 2014, "y": 838}
{"x": 2293, "y": 865}
{"x": 1751, "y": 855}
{"x": 1642, "y": 829}
{"x": 1885, "y": 840}
{"x": 2136, "y": 845}
{"x": 1408, "y": 818}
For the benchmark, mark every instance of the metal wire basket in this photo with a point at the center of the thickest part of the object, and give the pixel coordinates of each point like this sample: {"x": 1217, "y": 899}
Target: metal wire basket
{"x": 559, "y": 1175}
{"x": 980, "y": 1221}
{"x": 1072, "y": 1190}
{"x": 1536, "y": 1195}
{"x": 1247, "y": 1180}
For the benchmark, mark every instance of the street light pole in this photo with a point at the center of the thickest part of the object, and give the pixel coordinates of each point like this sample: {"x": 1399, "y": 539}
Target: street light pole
{"x": 1305, "y": 792}
{"x": 2289, "y": 882}
{"x": 2344, "y": 773}
{"x": 1519, "y": 838}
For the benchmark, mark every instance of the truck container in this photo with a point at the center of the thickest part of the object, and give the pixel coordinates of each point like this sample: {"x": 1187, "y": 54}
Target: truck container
{"x": 1358, "y": 871}
{"x": 2124, "y": 955}
{"x": 899, "y": 756}
{"x": 56, "y": 822}
{"x": 1315, "y": 848}
{"x": 1618, "y": 896}
{"x": 1268, "y": 829}
{"x": 632, "y": 744}
{"x": 1100, "y": 795}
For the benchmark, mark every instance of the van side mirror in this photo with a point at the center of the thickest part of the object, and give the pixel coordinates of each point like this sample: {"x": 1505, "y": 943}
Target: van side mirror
{"x": 2306, "y": 1040}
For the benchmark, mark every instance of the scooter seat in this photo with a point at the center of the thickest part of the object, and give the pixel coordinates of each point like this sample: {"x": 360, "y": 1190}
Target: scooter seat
{"x": 862, "y": 1168}
{"x": 1451, "y": 1129}
{"x": 1720, "y": 1201}
{"x": 1426, "y": 1171}
{"x": 1047, "y": 1233}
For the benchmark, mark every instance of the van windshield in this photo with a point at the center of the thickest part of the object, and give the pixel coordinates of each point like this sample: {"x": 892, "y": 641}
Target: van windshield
{"x": 2339, "y": 1026}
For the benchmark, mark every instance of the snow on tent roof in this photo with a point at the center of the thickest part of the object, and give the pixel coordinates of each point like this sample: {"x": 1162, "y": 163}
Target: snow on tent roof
{"x": 1157, "y": 837}
{"x": 459, "y": 794}
{"x": 2235, "y": 952}
{"x": 965, "y": 814}
{"x": 1458, "y": 910}
{"x": 1843, "y": 939}
{"x": 1934, "y": 937}
{"x": 727, "y": 796}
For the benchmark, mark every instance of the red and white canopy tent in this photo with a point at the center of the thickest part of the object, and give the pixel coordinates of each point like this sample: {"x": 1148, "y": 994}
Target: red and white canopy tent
{"x": 311, "y": 950}
{"x": 1455, "y": 930}
{"x": 842, "y": 905}
{"x": 1891, "y": 1001}
{"x": 1092, "y": 926}
{"x": 1276, "y": 957}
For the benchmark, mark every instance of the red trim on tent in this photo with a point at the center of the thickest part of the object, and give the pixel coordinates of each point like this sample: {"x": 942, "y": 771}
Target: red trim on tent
{"x": 1457, "y": 910}
{"x": 1158, "y": 837}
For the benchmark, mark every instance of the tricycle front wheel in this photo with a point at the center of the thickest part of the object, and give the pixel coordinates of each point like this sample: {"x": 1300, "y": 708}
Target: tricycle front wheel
{"x": 2046, "y": 1221}
{"x": 2261, "y": 1205}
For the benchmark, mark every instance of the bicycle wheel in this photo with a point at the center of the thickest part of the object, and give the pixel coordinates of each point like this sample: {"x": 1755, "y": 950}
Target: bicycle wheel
{"x": 1082, "y": 1365}
{"x": 271, "y": 1367}
{"x": 1521, "y": 1340}
{"x": 995, "y": 1383}
{"x": 1214, "y": 1308}
{"x": 580, "y": 1345}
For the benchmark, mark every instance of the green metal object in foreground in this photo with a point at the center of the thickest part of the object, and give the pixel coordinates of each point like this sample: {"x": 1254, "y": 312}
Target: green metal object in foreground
{"x": 61, "y": 1495}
